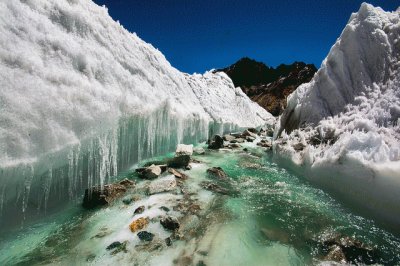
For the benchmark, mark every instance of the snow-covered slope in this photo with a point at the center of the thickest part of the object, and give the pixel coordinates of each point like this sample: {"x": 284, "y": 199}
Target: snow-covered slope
{"x": 353, "y": 105}
{"x": 77, "y": 89}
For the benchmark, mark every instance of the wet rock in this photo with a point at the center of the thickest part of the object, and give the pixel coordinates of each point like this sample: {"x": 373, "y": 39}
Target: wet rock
{"x": 214, "y": 187}
{"x": 252, "y": 130}
{"x": 164, "y": 184}
{"x": 127, "y": 200}
{"x": 298, "y": 146}
{"x": 166, "y": 209}
{"x": 216, "y": 172}
{"x": 216, "y": 143}
{"x": 145, "y": 236}
{"x": 199, "y": 151}
{"x": 194, "y": 209}
{"x": 183, "y": 149}
{"x": 247, "y": 133}
{"x": 177, "y": 174}
{"x": 139, "y": 224}
{"x": 182, "y": 156}
{"x": 237, "y": 134}
{"x": 336, "y": 254}
{"x": 95, "y": 196}
{"x": 188, "y": 167}
{"x": 149, "y": 246}
{"x": 265, "y": 144}
{"x": 117, "y": 247}
{"x": 170, "y": 223}
{"x": 245, "y": 149}
{"x": 179, "y": 161}
{"x": 127, "y": 183}
{"x": 139, "y": 210}
{"x": 228, "y": 137}
{"x": 238, "y": 140}
{"x": 354, "y": 251}
{"x": 168, "y": 241}
{"x": 201, "y": 263}
{"x": 250, "y": 139}
{"x": 150, "y": 172}
{"x": 114, "y": 245}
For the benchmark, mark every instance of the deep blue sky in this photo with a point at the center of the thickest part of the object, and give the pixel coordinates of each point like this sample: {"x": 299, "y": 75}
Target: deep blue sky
{"x": 199, "y": 35}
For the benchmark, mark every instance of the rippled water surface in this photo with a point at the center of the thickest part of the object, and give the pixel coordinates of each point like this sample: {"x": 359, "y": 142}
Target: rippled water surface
{"x": 267, "y": 216}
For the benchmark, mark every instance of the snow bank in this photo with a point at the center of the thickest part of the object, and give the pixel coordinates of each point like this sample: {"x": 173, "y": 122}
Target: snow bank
{"x": 78, "y": 90}
{"x": 349, "y": 118}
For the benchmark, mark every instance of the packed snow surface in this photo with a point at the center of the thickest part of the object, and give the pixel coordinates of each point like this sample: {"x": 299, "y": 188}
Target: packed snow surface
{"x": 66, "y": 69}
{"x": 350, "y": 114}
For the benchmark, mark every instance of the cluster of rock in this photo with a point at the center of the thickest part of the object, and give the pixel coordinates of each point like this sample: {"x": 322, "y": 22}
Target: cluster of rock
{"x": 234, "y": 140}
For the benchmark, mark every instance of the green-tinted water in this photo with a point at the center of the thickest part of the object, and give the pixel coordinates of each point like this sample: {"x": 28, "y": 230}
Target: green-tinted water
{"x": 270, "y": 217}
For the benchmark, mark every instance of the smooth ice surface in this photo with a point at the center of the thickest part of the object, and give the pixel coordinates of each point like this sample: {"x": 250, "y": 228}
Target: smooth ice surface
{"x": 82, "y": 98}
{"x": 353, "y": 104}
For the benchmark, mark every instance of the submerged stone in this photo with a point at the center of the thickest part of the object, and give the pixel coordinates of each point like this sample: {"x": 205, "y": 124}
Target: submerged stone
{"x": 139, "y": 210}
{"x": 166, "y": 209}
{"x": 170, "y": 223}
{"x": 217, "y": 142}
{"x": 216, "y": 172}
{"x": 162, "y": 185}
{"x": 145, "y": 236}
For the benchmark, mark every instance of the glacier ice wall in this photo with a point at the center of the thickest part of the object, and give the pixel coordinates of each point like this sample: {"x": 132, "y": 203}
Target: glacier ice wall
{"x": 82, "y": 98}
{"x": 352, "y": 105}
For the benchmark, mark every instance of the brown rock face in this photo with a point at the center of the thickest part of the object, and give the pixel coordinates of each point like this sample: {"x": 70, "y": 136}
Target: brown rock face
{"x": 267, "y": 86}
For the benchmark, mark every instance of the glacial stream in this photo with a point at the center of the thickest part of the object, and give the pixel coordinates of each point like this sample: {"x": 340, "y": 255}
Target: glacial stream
{"x": 260, "y": 215}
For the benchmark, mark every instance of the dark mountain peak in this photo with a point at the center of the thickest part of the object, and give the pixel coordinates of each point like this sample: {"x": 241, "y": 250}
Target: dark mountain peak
{"x": 269, "y": 86}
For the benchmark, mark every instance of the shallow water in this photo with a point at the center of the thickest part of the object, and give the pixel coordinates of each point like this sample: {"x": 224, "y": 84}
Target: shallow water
{"x": 269, "y": 217}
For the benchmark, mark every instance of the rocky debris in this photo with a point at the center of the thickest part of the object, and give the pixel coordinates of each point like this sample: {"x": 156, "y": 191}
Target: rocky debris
{"x": 177, "y": 174}
{"x": 149, "y": 246}
{"x": 170, "y": 223}
{"x": 145, "y": 236}
{"x": 164, "y": 184}
{"x": 265, "y": 144}
{"x": 199, "y": 151}
{"x": 166, "y": 209}
{"x": 238, "y": 140}
{"x": 216, "y": 172}
{"x": 151, "y": 172}
{"x": 183, "y": 149}
{"x": 168, "y": 241}
{"x": 214, "y": 187}
{"x": 139, "y": 224}
{"x": 345, "y": 249}
{"x": 96, "y": 196}
{"x": 232, "y": 146}
{"x": 336, "y": 254}
{"x": 117, "y": 247}
{"x": 217, "y": 142}
{"x": 228, "y": 137}
{"x": 127, "y": 200}
{"x": 250, "y": 139}
{"x": 298, "y": 146}
{"x": 139, "y": 210}
{"x": 127, "y": 183}
{"x": 182, "y": 156}
{"x": 247, "y": 133}
{"x": 253, "y": 130}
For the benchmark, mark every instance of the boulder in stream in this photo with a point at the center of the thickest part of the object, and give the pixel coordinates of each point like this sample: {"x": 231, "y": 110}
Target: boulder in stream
{"x": 97, "y": 196}
{"x": 151, "y": 172}
{"x": 145, "y": 236}
{"x": 164, "y": 184}
{"x": 170, "y": 223}
{"x": 139, "y": 224}
{"x": 217, "y": 142}
{"x": 217, "y": 172}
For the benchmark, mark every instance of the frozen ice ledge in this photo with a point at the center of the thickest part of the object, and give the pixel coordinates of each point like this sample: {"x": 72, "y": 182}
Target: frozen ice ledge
{"x": 342, "y": 130}
{"x": 82, "y": 98}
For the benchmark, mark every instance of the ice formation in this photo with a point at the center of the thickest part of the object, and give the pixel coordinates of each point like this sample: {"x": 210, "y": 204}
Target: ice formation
{"x": 353, "y": 105}
{"x": 82, "y": 98}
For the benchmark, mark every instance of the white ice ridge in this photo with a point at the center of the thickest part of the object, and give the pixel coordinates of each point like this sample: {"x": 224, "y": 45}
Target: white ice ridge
{"x": 66, "y": 67}
{"x": 70, "y": 76}
{"x": 353, "y": 105}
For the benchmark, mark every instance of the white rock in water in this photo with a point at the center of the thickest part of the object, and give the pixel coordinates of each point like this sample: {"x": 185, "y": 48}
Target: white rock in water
{"x": 164, "y": 184}
{"x": 152, "y": 171}
{"x": 183, "y": 149}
